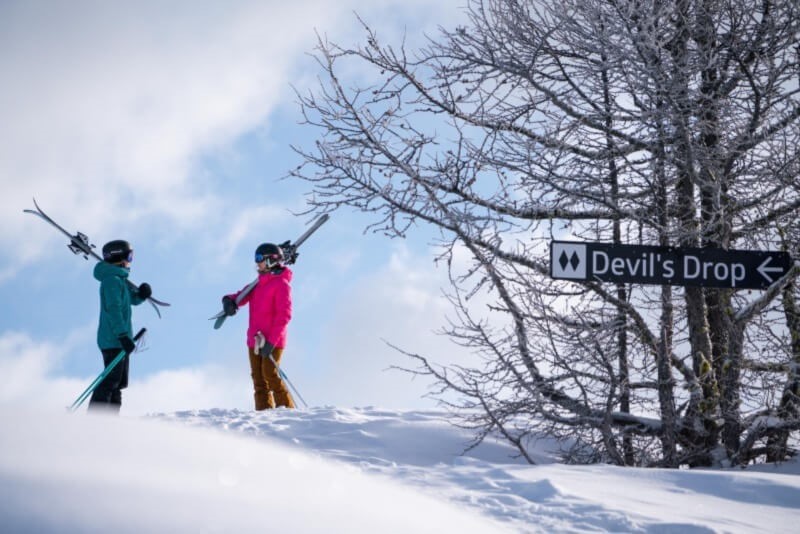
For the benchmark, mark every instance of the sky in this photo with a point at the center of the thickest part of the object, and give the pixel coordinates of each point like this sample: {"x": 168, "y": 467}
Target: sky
{"x": 354, "y": 470}
{"x": 170, "y": 125}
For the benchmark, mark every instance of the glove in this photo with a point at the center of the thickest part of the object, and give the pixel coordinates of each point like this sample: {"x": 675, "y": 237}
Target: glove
{"x": 127, "y": 344}
{"x": 229, "y": 306}
{"x": 262, "y": 346}
{"x": 145, "y": 291}
{"x": 266, "y": 350}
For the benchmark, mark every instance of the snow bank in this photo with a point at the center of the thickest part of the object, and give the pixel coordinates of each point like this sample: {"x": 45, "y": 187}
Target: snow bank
{"x": 359, "y": 470}
{"x": 77, "y": 473}
{"x": 424, "y": 449}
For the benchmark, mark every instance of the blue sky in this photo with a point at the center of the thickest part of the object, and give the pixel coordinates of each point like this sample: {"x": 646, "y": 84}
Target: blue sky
{"x": 170, "y": 126}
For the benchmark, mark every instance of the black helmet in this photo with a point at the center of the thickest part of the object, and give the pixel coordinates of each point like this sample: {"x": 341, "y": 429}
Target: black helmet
{"x": 271, "y": 253}
{"x": 117, "y": 251}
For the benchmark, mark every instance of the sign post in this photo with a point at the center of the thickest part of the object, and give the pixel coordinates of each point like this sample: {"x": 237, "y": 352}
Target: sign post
{"x": 640, "y": 264}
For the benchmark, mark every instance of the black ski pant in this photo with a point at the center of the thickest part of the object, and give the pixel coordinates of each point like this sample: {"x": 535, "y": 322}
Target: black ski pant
{"x": 108, "y": 394}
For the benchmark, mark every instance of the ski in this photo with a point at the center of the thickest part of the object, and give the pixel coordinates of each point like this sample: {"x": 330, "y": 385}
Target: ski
{"x": 289, "y": 251}
{"x": 96, "y": 382}
{"x": 79, "y": 245}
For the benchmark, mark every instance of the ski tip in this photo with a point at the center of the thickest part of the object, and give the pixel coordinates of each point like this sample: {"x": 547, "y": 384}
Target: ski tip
{"x": 38, "y": 211}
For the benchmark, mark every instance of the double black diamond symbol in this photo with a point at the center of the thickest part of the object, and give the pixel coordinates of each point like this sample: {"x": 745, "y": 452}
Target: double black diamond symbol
{"x": 573, "y": 260}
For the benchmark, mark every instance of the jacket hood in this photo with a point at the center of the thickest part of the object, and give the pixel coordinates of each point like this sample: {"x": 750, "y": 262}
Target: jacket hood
{"x": 104, "y": 270}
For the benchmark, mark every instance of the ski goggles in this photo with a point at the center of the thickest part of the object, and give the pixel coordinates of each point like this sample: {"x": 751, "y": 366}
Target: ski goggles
{"x": 130, "y": 257}
{"x": 265, "y": 257}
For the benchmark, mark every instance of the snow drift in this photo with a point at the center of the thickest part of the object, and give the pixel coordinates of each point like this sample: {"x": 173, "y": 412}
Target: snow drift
{"x": 362, "y": 470}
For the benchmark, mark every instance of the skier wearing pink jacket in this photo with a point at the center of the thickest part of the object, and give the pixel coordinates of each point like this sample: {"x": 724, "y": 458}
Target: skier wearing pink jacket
{"x": 270, "y": 312}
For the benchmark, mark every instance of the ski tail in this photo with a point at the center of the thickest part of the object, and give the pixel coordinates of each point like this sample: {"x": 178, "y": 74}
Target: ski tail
{"x": 220, "y": 317}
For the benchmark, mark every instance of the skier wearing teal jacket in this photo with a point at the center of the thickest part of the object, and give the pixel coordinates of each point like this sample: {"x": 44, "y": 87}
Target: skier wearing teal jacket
{"x": 115, "y": 332}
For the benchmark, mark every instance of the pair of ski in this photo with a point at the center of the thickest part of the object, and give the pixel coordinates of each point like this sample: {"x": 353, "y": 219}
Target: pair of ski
{"x": 289, "y": 251}
{"x": 79, "y": 245}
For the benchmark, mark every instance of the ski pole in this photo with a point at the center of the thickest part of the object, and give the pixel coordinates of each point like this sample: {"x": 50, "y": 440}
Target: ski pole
{"x": 284, "y": 377}
{"x": 96, "y": 382}
{"x": 260, "y": 342}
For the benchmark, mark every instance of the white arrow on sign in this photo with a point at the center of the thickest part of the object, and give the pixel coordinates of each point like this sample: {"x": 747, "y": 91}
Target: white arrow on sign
{"x": 763, "y": 269}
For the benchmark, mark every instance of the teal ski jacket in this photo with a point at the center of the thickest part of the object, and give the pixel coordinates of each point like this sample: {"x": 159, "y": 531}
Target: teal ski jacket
{"x": 116, "y": 298}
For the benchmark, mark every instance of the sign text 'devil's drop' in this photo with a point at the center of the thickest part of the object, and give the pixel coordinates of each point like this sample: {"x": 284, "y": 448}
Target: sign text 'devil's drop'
{"x": 705, "y": 267}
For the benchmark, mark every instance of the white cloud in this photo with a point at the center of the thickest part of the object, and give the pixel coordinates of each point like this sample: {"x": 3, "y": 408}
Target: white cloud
{"x": 107, "y": 107}
{"x": 401, "y": 304}
{"x": 30, "y": 378}
{"x": 111, "y": 104}
{"x": 206, "y": 387}
{"x": 242, "y": 224}
{"x": 26, "y": 367}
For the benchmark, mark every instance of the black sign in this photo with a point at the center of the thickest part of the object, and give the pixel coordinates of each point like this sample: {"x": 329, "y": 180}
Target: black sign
{"x": 637, "y": 264}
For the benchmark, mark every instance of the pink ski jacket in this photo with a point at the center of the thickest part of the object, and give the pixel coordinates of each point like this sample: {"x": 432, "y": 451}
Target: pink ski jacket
{"x": 270, "y": 307}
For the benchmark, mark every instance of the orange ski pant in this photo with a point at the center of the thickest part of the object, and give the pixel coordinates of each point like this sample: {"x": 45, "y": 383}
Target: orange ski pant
{"x": 269, "y": 390}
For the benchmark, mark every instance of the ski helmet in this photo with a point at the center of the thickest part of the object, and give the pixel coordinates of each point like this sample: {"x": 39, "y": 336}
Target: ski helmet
{"x": 117, "y": 251}
{"x": 272, "y": 254}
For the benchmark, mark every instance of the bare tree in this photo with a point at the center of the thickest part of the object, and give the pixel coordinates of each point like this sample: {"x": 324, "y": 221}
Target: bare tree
{"x": 670, "y": 123}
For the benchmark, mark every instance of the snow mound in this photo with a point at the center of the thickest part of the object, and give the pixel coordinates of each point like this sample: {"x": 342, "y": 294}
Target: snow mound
{"x": 361, "y": 470}
{"x": 424, "y": 449}
{"x": 72, "y": 473}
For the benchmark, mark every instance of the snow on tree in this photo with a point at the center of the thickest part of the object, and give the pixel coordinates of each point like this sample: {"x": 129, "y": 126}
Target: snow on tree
{"x": 628, "y": 122}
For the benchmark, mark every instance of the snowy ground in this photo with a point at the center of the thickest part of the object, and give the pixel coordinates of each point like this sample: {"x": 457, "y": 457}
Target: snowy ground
{"x": 347, "y": 470}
